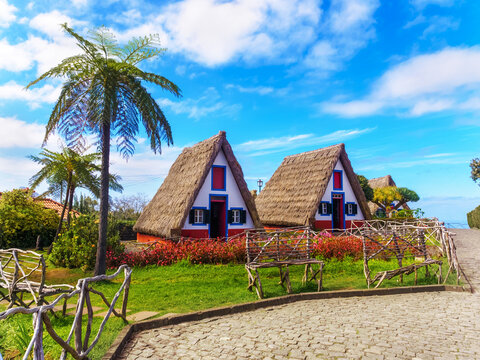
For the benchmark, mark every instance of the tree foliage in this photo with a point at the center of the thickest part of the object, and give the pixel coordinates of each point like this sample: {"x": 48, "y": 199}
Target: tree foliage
{"x": 475, "y": 169}
{"x": 391, "y": 198}
{"x": 22, "y": 219}
{"x": 103, "y": 94}
{"x": 128, "y": 207}
{"x": 66, "y": 171}
{"x": 367, "y": 190}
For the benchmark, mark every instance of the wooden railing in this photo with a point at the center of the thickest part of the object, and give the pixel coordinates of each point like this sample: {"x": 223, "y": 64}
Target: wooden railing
{"x": 82, "y": 345}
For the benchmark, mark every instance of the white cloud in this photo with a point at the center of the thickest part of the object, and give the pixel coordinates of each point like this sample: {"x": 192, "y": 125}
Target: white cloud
{"x": 322, "y": 55}
{"x": 207, "y": 104}
{"x": 422, "y": 84}
{"x": 145, "y": 166}
{"x": 36, "y": 96}
{"x": 352, "y": 108}
{"x": 49, "y": 23}
{"x": 261, "y": 90}
{"x": 38, "y": 50}
{"x": 213, "y": 32}
{"x": 349, "y": 15}
{"x": 278, "y": 144}
{"x": 438, "y": 24}
{"x": 428, "y": 106}
{"x": 20, "y": 134}
{"x": 7, "y": 13}
{"x": 80, "y": 3}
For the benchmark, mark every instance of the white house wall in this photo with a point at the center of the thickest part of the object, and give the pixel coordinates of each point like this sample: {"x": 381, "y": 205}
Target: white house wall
{"x": 235, "y": 199}
{"x": 349, "y": 196}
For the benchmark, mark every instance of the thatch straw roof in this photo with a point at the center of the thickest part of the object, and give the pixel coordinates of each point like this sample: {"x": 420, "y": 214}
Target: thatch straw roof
{"x": 292, "y": 196}
{"x": 378, "y": 183}
{"x": 381, "y": 182}
{"x": 166, "y": 213}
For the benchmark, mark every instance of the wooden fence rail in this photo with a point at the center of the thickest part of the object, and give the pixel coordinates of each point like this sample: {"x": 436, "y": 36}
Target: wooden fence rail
{"x": 82, "y": 346}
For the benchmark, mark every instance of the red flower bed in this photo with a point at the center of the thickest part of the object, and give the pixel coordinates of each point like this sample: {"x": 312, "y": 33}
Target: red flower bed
{"x": 195, "y": 251}
{"x": 220, "y": 252}
{"x": 338, "y": 247}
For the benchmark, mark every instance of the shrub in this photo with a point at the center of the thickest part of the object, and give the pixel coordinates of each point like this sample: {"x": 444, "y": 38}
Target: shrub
{"x": 338, "y": 247}
{"x": 473, "y": 218}
{"x": 220, "y": 252}
{"x": 22, "y": 220}
{"x": 76, "y": 247}
{"x": 194, "y": 251}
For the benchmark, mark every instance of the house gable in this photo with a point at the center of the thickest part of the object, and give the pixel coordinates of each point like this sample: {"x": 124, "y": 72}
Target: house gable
{"x": 324, "y": 221}
{"x": 231, "y": 193}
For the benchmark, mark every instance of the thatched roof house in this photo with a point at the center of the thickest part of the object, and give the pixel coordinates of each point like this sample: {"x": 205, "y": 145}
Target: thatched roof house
{"x": 317, "y": 188}
{"x": 381, "y": 182}
{"x": 204, "y": 195}
{"x": 378, "y": 183}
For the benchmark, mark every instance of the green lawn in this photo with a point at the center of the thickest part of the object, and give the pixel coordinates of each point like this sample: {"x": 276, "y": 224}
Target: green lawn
{"x": 183, "y": 288}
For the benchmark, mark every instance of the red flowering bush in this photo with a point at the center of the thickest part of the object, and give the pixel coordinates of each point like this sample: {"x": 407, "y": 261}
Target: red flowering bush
{"x": 338, "y": 247}
{"x": 214, "y": 251}
{"x": 166, "y": 252}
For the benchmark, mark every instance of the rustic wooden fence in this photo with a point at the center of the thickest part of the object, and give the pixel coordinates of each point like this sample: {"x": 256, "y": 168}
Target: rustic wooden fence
{"x": 82, "y": 345}
{"x": 435, "y": 233}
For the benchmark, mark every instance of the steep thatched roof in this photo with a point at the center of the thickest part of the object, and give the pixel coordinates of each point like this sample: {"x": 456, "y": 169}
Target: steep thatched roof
{"x": 381, "y": 182}
{"x": 292, "y": 196}
{"x": 166, "y": 213}
{"x": 378, "y": 183}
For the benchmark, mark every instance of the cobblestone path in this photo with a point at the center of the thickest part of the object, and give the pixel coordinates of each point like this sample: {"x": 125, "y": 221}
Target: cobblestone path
{"x": 467, "y": 242}
{"x": 443, "y": 325}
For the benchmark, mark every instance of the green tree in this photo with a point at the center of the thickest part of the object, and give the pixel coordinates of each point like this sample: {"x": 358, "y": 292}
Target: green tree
{"x": 65, "y": 172}
{"x": 85, "y": 205}
{"x": 391, "y": 198}
{"x": 22, "y": 219}
{"x": 104, "y": 93}
{"x": 367, "y": 190}
{"x": 475, "y": 166}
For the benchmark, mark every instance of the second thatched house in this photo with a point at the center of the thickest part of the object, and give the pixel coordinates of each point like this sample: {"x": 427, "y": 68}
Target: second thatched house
{"x": 378, "y": 183}
{"x": 317, "y": 188}
{"x": 204, "y": 195}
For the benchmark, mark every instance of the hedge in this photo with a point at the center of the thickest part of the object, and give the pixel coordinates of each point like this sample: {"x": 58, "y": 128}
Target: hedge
{"x": 473, "y": 218}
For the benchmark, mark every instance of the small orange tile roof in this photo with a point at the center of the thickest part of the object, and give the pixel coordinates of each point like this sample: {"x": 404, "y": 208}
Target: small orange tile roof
{"x": 54, "y": 205}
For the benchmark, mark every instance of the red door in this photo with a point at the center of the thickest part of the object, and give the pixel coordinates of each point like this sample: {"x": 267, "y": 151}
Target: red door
{"x": 218, "y": 217}
{"x": 338, "y": 212}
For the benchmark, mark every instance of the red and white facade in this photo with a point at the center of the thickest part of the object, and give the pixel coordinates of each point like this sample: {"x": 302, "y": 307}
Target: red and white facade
{"x": 219, "y": 209}
{"x": 339, "y": 206}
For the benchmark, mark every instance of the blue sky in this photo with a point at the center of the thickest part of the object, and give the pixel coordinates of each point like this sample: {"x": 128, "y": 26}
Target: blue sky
{"x": 397, "y": 81}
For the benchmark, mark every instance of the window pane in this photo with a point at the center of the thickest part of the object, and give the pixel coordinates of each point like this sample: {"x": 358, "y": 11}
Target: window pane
{"x": 236, "y": 216}
{"x": 198, "y": 216}
{"x": 218, "y": 178}
{"x": 337, "y": 180}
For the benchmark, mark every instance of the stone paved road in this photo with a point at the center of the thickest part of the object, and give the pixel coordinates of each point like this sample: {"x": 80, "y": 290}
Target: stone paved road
{"x": 467, "y": 242}
{"x": 444, "y": 325}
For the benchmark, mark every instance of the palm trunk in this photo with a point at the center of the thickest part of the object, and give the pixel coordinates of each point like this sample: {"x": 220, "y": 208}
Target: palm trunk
{"x": 100, "y": 263}
{"x": 60, "y": 223}
{"x": 70, "y": 205}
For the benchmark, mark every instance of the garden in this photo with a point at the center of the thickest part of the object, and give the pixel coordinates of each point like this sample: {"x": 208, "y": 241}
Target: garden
{"x": 183, "y": 276}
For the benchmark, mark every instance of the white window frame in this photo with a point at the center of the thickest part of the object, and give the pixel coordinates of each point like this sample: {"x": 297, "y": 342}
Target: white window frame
{"x": 198, "y": 217}
{"x": 236, "y": 216}
{"x": 349, "y": 209}
{"x": 324, "y": 208}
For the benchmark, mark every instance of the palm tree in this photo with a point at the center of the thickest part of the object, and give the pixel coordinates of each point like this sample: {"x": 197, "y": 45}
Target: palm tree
{"x": 104, "y": 93}
{"x": 69, "y": 170}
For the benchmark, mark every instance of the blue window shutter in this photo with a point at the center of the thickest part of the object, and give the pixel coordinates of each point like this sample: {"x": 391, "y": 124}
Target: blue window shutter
{"x": 243, "y": 216}
{"x": 191, "y": 216}
{"x": 206, "y": 216}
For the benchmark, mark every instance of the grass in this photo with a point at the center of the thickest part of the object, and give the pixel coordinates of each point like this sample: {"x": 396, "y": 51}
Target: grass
{"x": 184, "y": 287}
